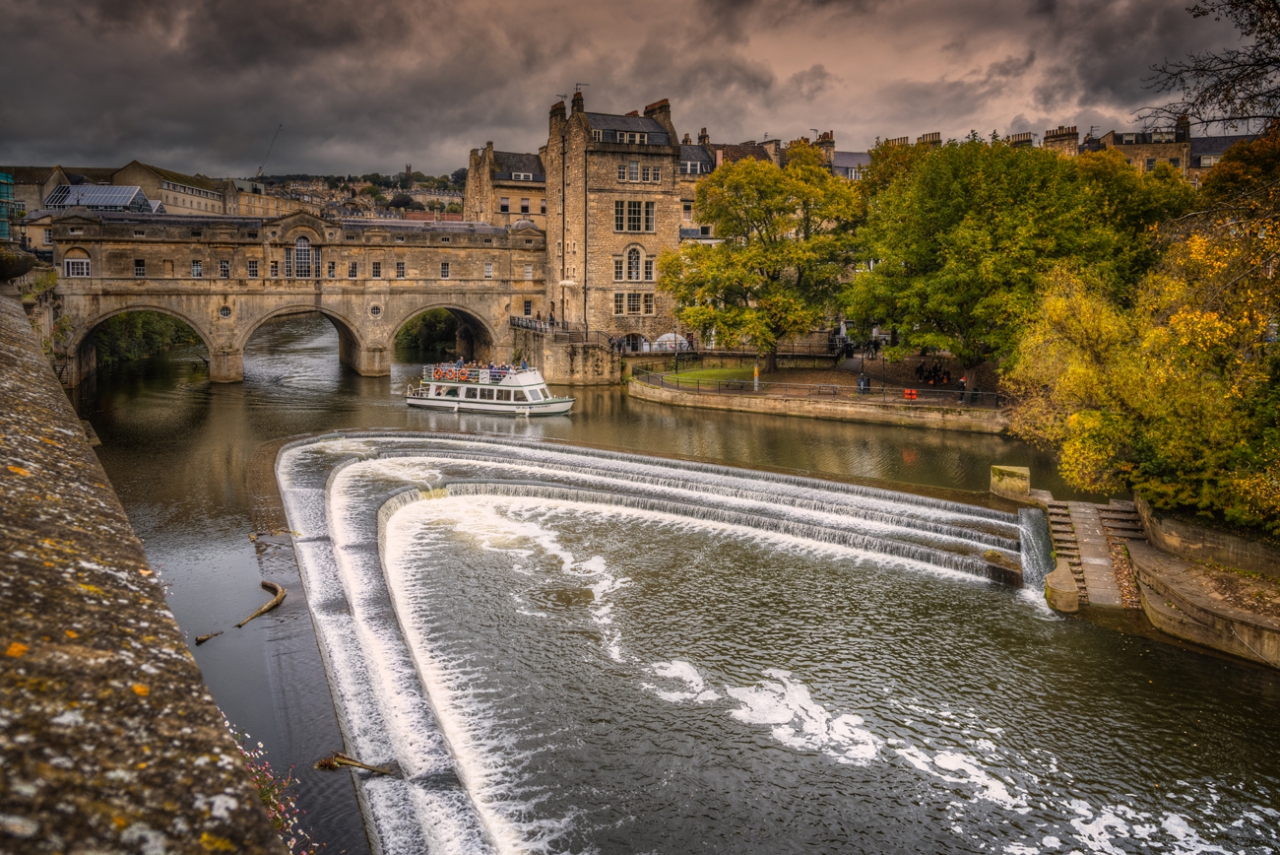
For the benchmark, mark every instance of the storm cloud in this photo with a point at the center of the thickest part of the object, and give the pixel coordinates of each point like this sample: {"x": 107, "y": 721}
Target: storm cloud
{"x": 370, "y": 85}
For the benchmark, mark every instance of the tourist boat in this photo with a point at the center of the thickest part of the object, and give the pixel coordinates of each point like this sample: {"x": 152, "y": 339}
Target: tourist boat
{"x": 518, "y": 391}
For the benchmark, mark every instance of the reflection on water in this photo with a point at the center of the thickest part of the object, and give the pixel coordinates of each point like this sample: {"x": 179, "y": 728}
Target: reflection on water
{"x": 178, "y": 449}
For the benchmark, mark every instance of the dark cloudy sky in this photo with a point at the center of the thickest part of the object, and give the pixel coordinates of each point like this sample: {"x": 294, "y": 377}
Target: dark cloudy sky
{"x": 370, "y": 85}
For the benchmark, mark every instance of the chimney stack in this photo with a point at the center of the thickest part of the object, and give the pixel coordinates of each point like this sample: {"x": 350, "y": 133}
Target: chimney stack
{"x": 577, "y": 102}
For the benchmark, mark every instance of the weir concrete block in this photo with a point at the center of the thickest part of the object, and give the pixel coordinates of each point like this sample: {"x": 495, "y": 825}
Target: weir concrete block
{"x": 1060, "y": 590}
{"x": 1012, "y": 482}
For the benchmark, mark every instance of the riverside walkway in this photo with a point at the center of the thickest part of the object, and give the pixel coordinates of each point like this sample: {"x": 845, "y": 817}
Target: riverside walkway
{"x": 938, "y": 409}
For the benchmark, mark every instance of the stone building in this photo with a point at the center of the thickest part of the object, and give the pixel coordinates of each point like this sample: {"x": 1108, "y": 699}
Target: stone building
{"x": 182, "y": 195}
{"x": 614, "y": 202}
{"x": 503, "y": 187}
{"x": 1192, "y": 156}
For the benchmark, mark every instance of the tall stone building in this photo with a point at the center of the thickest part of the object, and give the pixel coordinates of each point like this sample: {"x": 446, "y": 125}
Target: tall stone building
{"x": 614, "y": 202}
{"x": 504, "y": 187}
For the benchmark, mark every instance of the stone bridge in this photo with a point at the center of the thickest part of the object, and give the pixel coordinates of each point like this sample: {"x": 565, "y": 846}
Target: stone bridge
{"x": 226, "y": 276}
{"x": 225, "y": 315}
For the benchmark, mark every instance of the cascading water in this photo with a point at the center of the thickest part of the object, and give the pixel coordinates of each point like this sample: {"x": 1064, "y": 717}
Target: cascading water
{"x": 1037, "y": 548}
{"x": 572, "y": 650}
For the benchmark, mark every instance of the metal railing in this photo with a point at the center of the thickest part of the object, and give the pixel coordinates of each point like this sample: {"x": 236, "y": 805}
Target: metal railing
{"x": 869, "y": 393}
{"x": 563, "y": 332}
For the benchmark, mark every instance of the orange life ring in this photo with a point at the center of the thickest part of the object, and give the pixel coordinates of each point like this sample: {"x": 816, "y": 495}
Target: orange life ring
{"x": 439, "y": 372}
{"x": 464, "y": 373}
{"x": 450, "y": 374}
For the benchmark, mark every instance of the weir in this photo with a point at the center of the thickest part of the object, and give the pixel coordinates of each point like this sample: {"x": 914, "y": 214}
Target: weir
{"x": 343, "y": 491}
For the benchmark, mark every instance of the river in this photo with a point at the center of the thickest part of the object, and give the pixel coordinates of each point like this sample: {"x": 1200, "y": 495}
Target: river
{"x": 637, "y": 681}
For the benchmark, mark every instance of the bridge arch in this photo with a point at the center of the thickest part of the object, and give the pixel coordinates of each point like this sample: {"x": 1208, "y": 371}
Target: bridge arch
{"x": 477, "y": 338}
{"x": 347, "y": 330}
{"x": 82, "y": 354}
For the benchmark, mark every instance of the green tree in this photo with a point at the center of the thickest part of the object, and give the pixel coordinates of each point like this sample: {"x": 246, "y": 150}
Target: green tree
{"x": 784, "y": 241}
{"x": 962, "y": 235}
{"x": 453, "y": 208}
{"x": 433, "y": 332}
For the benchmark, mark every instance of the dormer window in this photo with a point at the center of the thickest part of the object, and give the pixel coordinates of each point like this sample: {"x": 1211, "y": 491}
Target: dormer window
{"x": 598, "y": 136}
{"x": 522, "y": 176}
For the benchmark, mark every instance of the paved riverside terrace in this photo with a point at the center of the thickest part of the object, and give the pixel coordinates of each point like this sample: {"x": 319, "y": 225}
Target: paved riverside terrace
{"x": 1088, "y": 536}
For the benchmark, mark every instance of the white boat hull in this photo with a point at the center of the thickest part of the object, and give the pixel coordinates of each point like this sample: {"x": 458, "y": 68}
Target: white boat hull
{"x": 554, "y": 407}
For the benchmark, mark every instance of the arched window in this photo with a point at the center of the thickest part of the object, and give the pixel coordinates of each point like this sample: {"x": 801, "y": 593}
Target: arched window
{"x": 633, "y": 264}
{"x": 302, "y": 258}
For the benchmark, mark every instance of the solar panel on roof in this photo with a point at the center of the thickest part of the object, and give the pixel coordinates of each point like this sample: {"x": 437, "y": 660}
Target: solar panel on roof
{"x": 97, "y": 197}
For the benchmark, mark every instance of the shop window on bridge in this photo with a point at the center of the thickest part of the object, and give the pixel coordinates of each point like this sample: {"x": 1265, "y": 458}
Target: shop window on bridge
{"x": 301, "y": 257}
{"x": 275, "y": 270}
{"x": 377, "y": 270}
{"x": 333, "y": 269}
{"x": 197, "y": 269}
{"x": 224, "y": 269}
{"x": 528, "y": 308}
{"x": 399, "y": 269}
{"x": 444, "y": 270}
{"x": 633, "y": 264}
{"x": 648, "y": 304}
{"x": 648, "y": 270}
{"x": 253, "y": 269}
{"x": 488, "y": 270}
{"x": 140, "y": 267}
{"x": 353, "y": 269}
{"x": 76, "y": 267}
{"x": 633, "y": 304}
{"x": 619, "y": 304}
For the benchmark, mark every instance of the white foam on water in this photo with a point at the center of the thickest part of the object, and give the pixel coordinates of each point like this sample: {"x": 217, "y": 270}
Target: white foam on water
{"x": 684, "y": 672}
{"x": 802, "y": 723}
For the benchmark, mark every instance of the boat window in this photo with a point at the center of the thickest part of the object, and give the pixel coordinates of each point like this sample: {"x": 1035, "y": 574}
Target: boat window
{"x": 451, "y": 392}
{"x": 437, "y": 391}
{"x": 543, "y": 390}
{"x": 520, "y": 396}
{"x": 486, "y": 394}
{"x": 534, "y": 395}
{"x": 471, "y": 391}
{"x": 504, "y": 394}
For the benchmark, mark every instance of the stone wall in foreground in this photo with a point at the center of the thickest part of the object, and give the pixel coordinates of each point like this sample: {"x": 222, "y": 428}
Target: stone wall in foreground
{"x": 109, "y": 739}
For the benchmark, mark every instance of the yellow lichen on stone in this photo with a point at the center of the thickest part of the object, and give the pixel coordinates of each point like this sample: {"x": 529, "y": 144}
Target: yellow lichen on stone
{"x": 213, "y": 843}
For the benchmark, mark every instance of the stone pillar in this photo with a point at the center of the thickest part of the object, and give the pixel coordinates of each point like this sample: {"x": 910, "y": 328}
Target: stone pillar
{"x": 372, "y": 361}
{"x": 226, "y": 365}
{"x": 1011, "y": 482}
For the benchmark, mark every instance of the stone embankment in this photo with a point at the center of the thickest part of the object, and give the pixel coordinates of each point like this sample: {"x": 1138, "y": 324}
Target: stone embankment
{"x": 109, "y": 739}
{"x": 1104, "y": 561}
{"x": 961, "y": 418}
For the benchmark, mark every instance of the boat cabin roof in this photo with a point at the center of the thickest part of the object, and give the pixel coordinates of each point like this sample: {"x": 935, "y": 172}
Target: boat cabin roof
{"x": 483, "y": 376}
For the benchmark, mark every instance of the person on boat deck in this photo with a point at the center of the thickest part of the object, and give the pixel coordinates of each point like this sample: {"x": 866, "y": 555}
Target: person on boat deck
{"x": 524, "y": 364}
